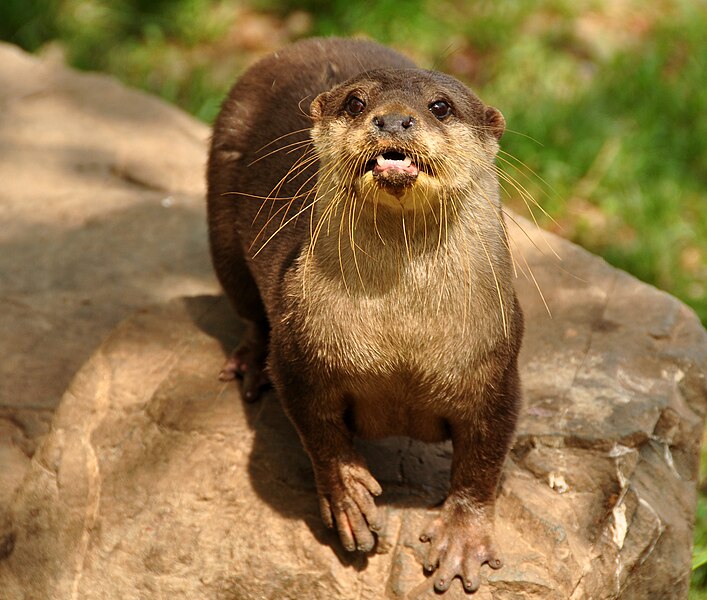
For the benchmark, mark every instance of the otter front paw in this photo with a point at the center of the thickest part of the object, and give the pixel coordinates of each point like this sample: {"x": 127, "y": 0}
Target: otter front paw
{"x": 461, "y": 540}
{"x": 346, "y": 491}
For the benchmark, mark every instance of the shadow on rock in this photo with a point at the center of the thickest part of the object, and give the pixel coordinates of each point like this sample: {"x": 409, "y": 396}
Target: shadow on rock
{"x": 412, "y": 473}
{"x": 64, "y": 288}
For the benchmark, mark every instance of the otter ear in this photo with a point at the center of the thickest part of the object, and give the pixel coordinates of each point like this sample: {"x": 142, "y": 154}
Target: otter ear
{"x": 315, "y": 109}
{"x": 495, "y": 122}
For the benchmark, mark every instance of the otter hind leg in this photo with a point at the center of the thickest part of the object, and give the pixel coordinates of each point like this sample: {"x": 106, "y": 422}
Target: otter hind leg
{"x": 247, "y": 362}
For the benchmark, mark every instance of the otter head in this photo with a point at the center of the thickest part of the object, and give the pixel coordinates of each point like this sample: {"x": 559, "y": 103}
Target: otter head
{"x": 404, "y": 137}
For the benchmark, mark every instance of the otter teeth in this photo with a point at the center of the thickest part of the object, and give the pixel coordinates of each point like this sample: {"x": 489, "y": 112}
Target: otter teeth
{"x": 388, "y": 162}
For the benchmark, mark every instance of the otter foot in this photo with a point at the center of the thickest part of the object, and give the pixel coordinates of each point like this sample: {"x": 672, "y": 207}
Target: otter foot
{"x": 346, "y": 491}
{"x": 461, "y": 540}
{"x": 247, "y": 363}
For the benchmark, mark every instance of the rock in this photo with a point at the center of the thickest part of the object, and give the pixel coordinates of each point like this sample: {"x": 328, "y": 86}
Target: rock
{"x": 156, "y": 480}
{"x": 15, "y": 451}
{"x": 101, "y": 213}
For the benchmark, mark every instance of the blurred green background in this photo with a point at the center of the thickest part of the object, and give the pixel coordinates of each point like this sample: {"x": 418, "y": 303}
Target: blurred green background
{"x": 605, "y": 101}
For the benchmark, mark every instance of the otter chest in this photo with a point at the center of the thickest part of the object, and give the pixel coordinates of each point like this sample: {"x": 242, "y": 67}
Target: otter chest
{"x": 422, "y": 336}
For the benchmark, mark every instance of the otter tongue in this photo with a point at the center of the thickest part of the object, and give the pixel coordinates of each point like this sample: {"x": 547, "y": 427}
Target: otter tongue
{"x": 385, "y": 164}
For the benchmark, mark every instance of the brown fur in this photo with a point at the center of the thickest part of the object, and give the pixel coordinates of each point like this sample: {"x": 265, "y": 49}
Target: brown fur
{"x": 384, "y": 305}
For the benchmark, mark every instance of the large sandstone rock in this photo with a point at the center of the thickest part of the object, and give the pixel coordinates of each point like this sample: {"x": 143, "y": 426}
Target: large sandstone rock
{"x": 156, "y": 480}
{"x": 101, "y": 212}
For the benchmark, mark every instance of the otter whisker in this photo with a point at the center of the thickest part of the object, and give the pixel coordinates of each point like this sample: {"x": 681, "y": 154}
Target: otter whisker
{"x": 257, "y": 197}
{"x": 525, "y": 167}
{"x": 512, "y": 182}
{"x": 536, "y": 284}
{"x": 375, "y": 217}
{"x": 341, "y": 258}
{"x": 314, "y": 234}
{"x": 498, "y": 212}
{"x": 312, "y": 177}
{"x": 286, "y": 207}
{"x": 507, "y": 241}
{"x": 284, "y": 135}
{"x": 303, "y": 162}
{"x": 495, "y": 276}
{"x": 351, "y": 167}
{"x": 424, "y": 219}
{"x": 351, "y": 230}
{"x": 274, "y": 193}
{"x": 282, "y": 226}
{"x": 525, "y": 135}
{"x": 324, "y": 216}
{"x": 522, "y": 191}
{"x": 469, "y": 267}
{"x": 289, "y": 147}
{"x": 405, "y": 237}
{"x": 329, "y": 207}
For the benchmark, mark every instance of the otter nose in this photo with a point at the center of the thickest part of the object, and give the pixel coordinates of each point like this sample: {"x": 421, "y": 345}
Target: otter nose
{"x": 393, "y": 122}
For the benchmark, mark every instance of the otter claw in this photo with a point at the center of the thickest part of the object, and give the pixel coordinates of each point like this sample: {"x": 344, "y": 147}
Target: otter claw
{"x": 442, "y": 585}
{"x": 346, "y": 501}
{"x": 460, "y": 543}
{"x": 471, "y": 585}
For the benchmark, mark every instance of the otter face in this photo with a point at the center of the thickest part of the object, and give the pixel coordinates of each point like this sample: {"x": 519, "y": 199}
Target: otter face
{"x": 404, "y": 137}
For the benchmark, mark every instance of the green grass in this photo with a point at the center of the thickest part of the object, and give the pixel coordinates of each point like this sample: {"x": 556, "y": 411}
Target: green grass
{"x": 630, "y": 142}
{"x": 615, "y": 127}
{"x": 605, "y": 106}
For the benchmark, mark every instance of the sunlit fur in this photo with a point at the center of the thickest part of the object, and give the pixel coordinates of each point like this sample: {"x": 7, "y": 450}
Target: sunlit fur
{"x": 338, "y": 186}
{"x": 433, "y": 253}
{"x": 385, "y": 300}
{"x": 380, "y": 236}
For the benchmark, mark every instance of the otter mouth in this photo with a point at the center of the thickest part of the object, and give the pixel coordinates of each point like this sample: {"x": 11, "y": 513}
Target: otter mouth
{"x": 393, "y": 169}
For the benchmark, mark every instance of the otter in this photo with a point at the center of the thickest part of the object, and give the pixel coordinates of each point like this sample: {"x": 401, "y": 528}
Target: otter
{"x": 356, "y": 227}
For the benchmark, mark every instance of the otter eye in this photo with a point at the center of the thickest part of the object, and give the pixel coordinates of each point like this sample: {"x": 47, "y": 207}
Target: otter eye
{"x": 440, "y": 109}
{"x": 355, "y": 106}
